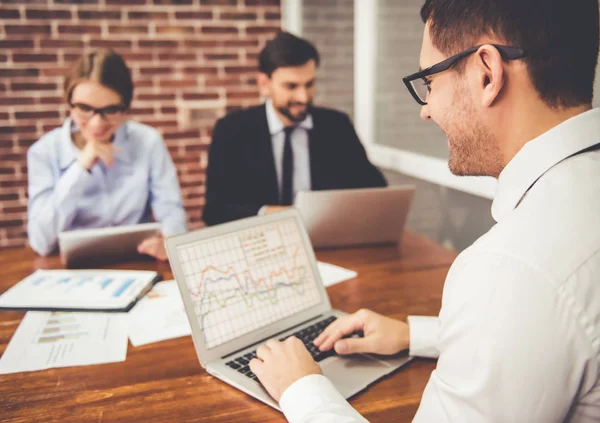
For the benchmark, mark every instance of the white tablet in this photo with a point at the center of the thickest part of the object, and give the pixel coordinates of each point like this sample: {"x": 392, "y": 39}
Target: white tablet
{"x": 101, "y": 244}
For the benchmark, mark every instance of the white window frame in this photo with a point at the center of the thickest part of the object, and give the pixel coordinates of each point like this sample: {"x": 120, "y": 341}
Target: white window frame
{"x": 428, "y": 168}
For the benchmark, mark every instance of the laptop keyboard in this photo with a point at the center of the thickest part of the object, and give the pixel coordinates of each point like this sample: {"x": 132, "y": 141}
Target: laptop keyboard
{"x": 306, "y": 335}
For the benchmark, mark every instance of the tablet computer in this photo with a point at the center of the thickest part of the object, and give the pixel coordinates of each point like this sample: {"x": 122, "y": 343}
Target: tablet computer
{"x": 91, "y": 246}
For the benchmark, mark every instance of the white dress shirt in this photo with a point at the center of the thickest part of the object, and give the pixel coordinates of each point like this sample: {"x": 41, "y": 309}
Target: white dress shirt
{"x": 63, "y": 196}
{"x": 518, "y": 333}
{"x": 300, "y": 149}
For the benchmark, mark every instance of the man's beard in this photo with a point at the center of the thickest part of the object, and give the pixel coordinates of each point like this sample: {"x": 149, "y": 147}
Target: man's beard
{"x": 285, "y": 111}
{"x": 473, "y": 149}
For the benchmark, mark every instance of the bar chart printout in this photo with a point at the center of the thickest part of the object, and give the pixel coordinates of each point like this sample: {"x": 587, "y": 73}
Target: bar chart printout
{"x": 45, "y": 340}
{"x": 93, "y": 289}
{"x": 243, "y": 281}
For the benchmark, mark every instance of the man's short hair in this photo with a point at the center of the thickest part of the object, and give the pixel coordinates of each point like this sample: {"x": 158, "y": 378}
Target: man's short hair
{"x": 559, "y": 37}
{"x": 286, "y": 50}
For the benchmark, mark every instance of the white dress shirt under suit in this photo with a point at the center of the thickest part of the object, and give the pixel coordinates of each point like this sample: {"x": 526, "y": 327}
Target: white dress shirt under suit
{"x": 518, "y": 333}
{"x": 64, "y": 196}
{"x": 300, "y": 149}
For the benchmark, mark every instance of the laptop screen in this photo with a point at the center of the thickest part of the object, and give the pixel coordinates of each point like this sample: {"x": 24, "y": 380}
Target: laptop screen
{"x": 245, "y": 280}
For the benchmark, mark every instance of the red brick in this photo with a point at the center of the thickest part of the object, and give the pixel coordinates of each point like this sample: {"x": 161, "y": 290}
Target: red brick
{"x": 157, "y": 43}
{"x": 9, "y": 223}
{"x": 116, "y": 44}
{"x": 193, "y": 15}
{"x": 168, "y": 110}
{"x": 262, "y": 2}
{"x": 224, "y": 82}
{"x": 51, "y": 100}
{"x": 176, "y": 135}
{"x": 200, "y": 96}
{"x": 37, "y": 115}
{"x": 157, "y": 123}
{"x": 27, "y": 29}
{"x": 126, "y": 2}
{"x": 76, "y": 1}
{"x": 96, "y": 14}
{"x": 263, "y": 30}
{"x": 137, "y": 57}
{"x": 202, "y": 70}
{"x": 215, "y": 56}
{"x": 178, "y": 83}
{"x": 150, "y": 16}
{"x": 219, "y": 2}
{"x": 79, "y": 29}
{"x": 173, "y": 2}
{"x": 229, "y": 16}
{"x": 8, "y": 197}
{"x": 9, "y": 14}
{"x": 16, "y": 129}
{"x": 243, "y": 95}
{"x": 78, "y": 44}
{"x": 172, "y": 56}
{"x": 174, "y": 30}
{"x": 219, "y": 30}
{"x": 272, "y": 16}
{"x": 4, "y": 116}
{"x": 156, "y": 97}
{"x": 241, "y": 43}
{"x": 19, "y": 72}
{"x": 18, "y": 209}
{"x": 22, "y": 58}
{"x": 47, "y": 14}
{"x": 33, "y": 86}
{"x": 165, "y": 70}
{"x": 239, "y": 69}
{"x": 200, "y": 43}
{"x": 127, "y": 29}
{"x": 12, "y": 184}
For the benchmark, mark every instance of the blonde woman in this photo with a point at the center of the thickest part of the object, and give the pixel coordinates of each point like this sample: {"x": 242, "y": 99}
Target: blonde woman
{"x": 100, "y": 169}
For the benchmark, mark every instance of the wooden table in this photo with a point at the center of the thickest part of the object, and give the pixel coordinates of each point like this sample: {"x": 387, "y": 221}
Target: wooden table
{"x": 164, "y": 382}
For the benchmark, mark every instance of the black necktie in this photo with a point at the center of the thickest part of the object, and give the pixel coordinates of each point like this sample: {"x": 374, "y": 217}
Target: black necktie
{"x": 288, "y": 169}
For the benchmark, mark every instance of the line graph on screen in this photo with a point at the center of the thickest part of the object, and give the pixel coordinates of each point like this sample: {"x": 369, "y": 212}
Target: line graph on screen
{"x": 246, "y": 280}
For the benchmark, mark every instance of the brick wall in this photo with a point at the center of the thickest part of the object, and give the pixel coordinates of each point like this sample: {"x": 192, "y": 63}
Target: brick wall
{"x": 330, "y": 26}
{"x": 192, "y": 60}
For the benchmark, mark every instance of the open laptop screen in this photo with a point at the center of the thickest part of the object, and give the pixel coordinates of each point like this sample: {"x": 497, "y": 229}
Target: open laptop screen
{"x": 245, "y": 280}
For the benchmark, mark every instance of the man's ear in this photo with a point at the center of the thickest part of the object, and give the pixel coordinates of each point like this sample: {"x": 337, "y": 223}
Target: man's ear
{"x": 263, "y": 82}
{"x": 491, "y": 76}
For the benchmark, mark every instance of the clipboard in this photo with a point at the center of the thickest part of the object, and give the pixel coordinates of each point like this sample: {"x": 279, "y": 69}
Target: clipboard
{"x": 79, "y": 290}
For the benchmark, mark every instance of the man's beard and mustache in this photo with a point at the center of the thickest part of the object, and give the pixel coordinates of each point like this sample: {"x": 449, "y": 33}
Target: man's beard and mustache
{"x": 474, "y": 150}
{"x": 286, "y": 111}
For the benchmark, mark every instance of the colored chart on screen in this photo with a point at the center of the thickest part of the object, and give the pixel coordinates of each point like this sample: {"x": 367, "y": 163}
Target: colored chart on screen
{"x": 246, "y": 280}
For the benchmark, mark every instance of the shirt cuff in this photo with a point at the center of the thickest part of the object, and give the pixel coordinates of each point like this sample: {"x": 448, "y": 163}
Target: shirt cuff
{"x": 424, "y": 335}
{"x": 262, "y": 211}
{"x": 304, "y": 396}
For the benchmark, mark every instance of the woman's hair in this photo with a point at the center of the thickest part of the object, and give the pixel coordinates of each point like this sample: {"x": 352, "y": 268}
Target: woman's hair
{"x": 105, "y": 67}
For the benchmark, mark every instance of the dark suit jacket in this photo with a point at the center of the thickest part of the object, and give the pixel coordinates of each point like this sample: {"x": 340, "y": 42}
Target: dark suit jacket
{"x": 241, "y": 175}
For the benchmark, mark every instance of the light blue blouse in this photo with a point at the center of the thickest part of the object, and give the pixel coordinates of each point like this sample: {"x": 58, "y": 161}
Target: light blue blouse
{"x": 141, "y": 184}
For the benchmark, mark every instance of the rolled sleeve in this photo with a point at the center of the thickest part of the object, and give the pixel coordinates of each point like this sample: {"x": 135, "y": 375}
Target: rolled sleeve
{"x": 314, "y": 399}
{"x": 424, "y": 336}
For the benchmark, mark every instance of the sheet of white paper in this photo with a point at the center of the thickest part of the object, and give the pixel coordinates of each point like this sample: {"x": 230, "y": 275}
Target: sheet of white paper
{"x": 332, "y": 274}
{"x": 46, "y": 340}
{"x": 158, "y": 316}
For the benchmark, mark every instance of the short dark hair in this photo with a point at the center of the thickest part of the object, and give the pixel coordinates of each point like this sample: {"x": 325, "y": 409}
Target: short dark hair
{"x": 286, "y": 50}
{"x": 560, "y": 39}
{"x": 105, "y": 67}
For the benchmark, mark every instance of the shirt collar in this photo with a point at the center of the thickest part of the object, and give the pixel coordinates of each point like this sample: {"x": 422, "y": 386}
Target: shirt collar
{"x": 68, "y": 151}
{"x": 276, "y": 125}
{"x": 539, "y": 155}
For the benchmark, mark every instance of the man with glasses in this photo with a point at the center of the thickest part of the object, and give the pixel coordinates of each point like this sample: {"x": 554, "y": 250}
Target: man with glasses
{"x": 518, "y": 336}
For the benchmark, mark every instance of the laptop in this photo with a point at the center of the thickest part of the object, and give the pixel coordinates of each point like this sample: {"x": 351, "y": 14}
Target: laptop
{"x": 352, "y": 217}
{"x": 247, "y": 281}
{"x": 90, "y": 246}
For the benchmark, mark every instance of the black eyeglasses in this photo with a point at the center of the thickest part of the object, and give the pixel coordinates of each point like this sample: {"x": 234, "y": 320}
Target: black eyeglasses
{"x": 85, "y": 111}
{"x": 418, "y": 85}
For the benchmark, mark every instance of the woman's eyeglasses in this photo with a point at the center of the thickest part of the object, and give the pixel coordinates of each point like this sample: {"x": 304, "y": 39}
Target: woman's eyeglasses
{"x": 418, "y": 84}
{"x": 109, "y": 113}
